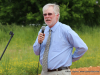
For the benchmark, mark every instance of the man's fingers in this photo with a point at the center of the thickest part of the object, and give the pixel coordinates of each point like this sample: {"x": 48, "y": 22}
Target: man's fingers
{"x": 41, "y": 37}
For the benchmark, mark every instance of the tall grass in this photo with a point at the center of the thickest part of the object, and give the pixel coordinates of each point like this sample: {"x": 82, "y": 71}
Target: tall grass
{"x": 91, "y": 36}
{"x": 19, "y": 58}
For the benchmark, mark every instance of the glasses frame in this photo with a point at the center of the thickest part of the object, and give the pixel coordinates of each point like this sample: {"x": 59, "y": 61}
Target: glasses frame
{"x": 49, "y": 14}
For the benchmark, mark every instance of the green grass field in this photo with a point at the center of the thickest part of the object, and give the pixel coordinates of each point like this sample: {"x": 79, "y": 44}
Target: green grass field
{"x": 19, "y": 58}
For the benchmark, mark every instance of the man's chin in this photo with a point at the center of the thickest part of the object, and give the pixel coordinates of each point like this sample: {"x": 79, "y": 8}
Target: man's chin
{"x": 49, "y": 24}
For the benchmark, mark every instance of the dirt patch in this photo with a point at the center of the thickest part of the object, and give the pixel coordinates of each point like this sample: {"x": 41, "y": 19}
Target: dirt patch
{"x": 86, "y": 71}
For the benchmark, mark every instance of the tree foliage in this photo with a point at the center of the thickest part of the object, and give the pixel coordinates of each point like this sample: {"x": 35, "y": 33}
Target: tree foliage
{"x": 72, "y": 12}
{"x": 77, "y": 12}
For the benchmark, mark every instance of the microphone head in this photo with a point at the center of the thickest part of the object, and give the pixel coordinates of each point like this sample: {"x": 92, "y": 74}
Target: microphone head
{"x": 43, "y": 28}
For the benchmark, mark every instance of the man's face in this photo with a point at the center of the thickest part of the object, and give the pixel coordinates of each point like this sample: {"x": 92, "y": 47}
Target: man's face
{"x": 49, "y": 17}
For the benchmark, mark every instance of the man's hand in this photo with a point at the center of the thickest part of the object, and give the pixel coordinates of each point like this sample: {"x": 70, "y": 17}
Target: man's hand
{"x": 41, "y": 37}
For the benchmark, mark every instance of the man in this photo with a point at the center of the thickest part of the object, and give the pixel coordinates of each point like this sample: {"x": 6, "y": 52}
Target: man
{"x": 62, "y": 41}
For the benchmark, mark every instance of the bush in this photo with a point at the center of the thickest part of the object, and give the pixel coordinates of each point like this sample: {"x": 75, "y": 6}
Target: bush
{"x": 73, "y": 12}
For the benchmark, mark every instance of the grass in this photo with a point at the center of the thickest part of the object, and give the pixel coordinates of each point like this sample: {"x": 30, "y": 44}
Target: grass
{"x": 19, "y": 58}
{"x": 91, "y": 38}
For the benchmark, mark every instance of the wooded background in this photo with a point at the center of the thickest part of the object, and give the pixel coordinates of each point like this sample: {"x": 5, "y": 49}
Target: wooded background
{"x": 72, "y": 12}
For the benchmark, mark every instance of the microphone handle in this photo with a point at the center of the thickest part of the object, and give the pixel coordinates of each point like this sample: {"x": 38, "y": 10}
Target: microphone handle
{"x": 43, "y": 31}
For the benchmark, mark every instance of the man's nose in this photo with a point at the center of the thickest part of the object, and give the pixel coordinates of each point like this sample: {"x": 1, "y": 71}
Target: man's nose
{"x": 47, "y": 15}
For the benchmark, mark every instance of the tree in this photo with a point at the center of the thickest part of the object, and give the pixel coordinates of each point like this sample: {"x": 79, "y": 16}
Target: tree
{"x": 19, "y": 11}
{"x": 72, "y": 12}
{"x": 77, "y": 12}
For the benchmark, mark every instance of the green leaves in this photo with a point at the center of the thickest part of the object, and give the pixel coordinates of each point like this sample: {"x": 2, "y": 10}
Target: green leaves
{"x": 32, "y": 1}
{"x": 30, "y": 11}
{"x": 64, "y": 12}
{"x": 31, "y": 16}
{"x": 78, "y": 12}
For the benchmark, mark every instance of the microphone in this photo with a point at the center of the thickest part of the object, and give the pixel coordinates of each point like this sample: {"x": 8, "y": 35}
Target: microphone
{"x": 43, "y": 28}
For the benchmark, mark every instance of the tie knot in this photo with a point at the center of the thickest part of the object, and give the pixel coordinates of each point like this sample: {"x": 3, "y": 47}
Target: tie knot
{"x": 49, "y": 30}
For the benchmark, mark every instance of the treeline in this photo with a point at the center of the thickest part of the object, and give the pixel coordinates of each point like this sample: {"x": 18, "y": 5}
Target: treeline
{"x": 72, "y": 12}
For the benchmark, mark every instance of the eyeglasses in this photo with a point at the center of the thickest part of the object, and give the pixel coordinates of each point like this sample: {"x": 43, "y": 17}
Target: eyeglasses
{"x": 49, "y": 14}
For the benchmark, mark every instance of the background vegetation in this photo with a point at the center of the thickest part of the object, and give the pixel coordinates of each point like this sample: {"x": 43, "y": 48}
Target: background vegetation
{"x": 73, "y": 12}
{"x": 19, "y": 58}
{"x": 17, "y": 15}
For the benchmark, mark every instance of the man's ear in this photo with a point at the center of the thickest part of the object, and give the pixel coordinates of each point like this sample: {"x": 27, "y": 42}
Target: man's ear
{"x": 58, "y": 16}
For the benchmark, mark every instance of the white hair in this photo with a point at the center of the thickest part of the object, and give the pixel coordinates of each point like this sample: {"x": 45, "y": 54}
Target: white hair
{"x": 55, "y": 6}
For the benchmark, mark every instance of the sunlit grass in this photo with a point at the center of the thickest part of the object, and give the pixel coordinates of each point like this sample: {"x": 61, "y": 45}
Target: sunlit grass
{"x": 91, "y": 37}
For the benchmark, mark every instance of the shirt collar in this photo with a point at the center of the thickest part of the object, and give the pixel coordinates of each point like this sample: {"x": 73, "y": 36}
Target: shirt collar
{"x": 54, "y": 27}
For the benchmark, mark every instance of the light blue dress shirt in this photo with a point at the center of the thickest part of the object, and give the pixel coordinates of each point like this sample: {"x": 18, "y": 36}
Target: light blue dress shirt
{"x": 63, "y": 39}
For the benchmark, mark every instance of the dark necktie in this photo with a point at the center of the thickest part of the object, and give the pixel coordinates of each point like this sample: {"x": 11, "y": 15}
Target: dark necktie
{"x": 45, "y": 56}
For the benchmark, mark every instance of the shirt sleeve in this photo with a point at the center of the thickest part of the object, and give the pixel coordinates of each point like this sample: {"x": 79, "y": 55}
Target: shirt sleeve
{"x": 78, "y": 43}
{"x": 36, "y": 46}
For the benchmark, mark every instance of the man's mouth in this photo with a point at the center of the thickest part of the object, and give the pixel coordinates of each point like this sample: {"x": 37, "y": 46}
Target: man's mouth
{"x": 48, "y": 20}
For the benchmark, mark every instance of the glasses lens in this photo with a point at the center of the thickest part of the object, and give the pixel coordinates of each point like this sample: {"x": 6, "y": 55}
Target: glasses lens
{"x": 44, "y": 14}
{"x": 49, "y": 14}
